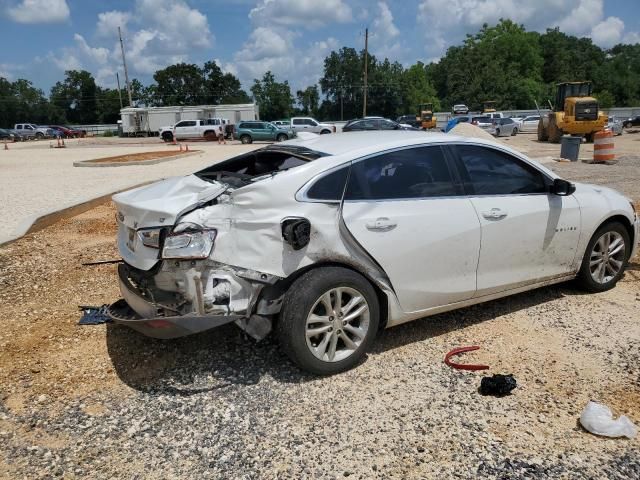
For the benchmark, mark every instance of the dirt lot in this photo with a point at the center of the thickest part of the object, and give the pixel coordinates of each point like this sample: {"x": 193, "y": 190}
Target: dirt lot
{"x": 105, "y": 402}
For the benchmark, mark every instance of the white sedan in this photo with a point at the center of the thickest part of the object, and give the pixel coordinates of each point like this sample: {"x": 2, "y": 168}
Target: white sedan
{"x": 331, "y": 239}
{"x": 529, "y": 124}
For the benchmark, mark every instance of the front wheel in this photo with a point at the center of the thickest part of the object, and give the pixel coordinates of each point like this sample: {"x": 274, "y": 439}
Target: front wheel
{"x": 514, "y": 132}
{"x": 246, "y": 139}
{"x": 167, "y": 136}
{"x": 497, "y": 132}
{"x": 281, "y": 138}
{"x": 39, "y": 135}
{"x": 328, "y": 320}
{"x": 605, "y": 258}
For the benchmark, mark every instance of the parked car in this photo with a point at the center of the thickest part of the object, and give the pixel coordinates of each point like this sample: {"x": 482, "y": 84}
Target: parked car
{"x": 460, "y": 109}
{"x": 249, "y": 131}
{"x": 66, "y": 132}
{"x": 7, "y": 135}
{"x": 615, "y": 125}
{"x": 331, "y": 239}
{"x": 409, "y": 120}
{"x": 503, "y": 127}
{"x": 308, "y": 124}
{"x": 632, "y": 122}
{"x": 19, "y": 136}
{"x": 529, "y": 124}
{"x": 361, "y": 124}
{"x": 282, "y": 123}
{"x": 207, "y": 129}
{"x": 32, "y": 130}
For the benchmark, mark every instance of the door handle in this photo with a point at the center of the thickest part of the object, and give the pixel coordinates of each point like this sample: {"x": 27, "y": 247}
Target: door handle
{"x": 494, "y": 214}
{"x": 381, "y": 224}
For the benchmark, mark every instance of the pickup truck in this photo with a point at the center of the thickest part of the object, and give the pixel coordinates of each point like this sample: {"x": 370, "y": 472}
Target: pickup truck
{"x": 308, "y": 124}
{"x": 30, "y": 130}
{"x": 207, "y": 129}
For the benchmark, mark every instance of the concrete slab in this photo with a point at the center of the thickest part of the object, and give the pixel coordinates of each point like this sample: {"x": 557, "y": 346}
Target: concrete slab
{"x": 38, "y": 182}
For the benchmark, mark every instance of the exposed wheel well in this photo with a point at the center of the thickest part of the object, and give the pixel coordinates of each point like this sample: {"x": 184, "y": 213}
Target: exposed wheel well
{"x": 280, "y": 288}
{"x": 625, "y": 222}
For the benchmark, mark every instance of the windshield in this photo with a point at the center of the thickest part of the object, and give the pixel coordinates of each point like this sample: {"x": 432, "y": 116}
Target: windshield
{"x": 253, "y": 166}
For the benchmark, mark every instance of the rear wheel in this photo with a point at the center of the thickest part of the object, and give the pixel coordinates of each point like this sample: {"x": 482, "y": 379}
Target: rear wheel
{"x": 328, "y": 321}
{"x": 498, "y": 132}
{"x": 555, "y": 133}
{"x": 324, "y": 132}
{"x": 605, "y": 258}
{"x": 246, "y": 139}
{"x": 542, "y": 132}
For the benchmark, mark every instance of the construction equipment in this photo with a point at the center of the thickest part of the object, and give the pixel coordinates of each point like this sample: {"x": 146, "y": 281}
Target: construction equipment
{"x": 489, "y": 106}
{"x": 575, "y": 112}
{"x": 425, "y": 116}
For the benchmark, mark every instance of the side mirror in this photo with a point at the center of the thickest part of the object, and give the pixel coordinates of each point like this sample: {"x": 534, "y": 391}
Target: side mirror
{"x": 562, "y": 187}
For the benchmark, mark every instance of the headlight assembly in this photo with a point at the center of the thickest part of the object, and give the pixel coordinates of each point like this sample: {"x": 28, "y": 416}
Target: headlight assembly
{"x": 188, "y": 241}
{"x": 150, "y": 237}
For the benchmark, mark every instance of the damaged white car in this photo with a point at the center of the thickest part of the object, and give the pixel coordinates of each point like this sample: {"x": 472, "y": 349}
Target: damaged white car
{"x": 331, "y": 239}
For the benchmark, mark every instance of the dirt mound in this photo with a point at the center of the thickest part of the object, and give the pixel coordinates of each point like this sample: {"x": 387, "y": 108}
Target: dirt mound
{"x": 468, "y": 130}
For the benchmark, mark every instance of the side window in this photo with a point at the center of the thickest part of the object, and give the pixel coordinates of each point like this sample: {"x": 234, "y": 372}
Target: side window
{"x": 329, "y": 187}
{"x": 387, "y": 125}
{"x": 491, "y": 172}
{"x": 298, "y": 121}
{"x": 420, "y": 172}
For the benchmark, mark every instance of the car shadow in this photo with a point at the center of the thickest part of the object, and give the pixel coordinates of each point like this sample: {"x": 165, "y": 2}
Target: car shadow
{"x": 226, "y": 356}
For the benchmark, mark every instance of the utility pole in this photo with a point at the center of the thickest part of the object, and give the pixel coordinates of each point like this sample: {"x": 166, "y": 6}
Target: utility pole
{"x": 124, "y": 62}
{"x": 366, "y": 61}
{"x": 119, "y": 91}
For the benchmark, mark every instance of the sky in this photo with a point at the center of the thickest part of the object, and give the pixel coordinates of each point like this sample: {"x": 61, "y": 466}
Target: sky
{"x": 43, "y": 38}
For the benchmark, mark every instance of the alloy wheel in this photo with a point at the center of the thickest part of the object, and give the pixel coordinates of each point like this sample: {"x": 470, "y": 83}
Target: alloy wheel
{"x": 337, "y": 324}
{"x": 607, "y": 257}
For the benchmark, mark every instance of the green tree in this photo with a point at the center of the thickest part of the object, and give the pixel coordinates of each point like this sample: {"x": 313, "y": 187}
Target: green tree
{"x": 76, "y": 96}
{"x": 180, "y": 84}
{"x": 273, "y": 98}
{"x": 222, "y": 88}
{"x": 342, "y": 83}
{"x": 309, "y": 100}
{"x": 417, "y": 89}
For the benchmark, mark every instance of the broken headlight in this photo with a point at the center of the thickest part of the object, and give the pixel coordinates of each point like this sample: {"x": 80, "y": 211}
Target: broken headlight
{"x": 150, "y": 237}
{"x": 189, "y": 241}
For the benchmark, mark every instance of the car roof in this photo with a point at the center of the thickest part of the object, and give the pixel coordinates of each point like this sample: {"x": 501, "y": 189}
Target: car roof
{"x": 378, "y": 140}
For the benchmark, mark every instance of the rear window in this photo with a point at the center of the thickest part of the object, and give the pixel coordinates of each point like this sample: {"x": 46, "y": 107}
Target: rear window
{"x": 329, "y": 187}
{"x": 244, "y": 169}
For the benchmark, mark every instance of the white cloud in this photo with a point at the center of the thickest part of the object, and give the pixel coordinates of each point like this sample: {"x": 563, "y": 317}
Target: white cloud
{"x": 447, "y": 26}
{"x": 608, "y": 32}
{"x": 300, "y": 13}
{"x": 40, "y": 11}
{"x": 383, "y": 34}
{"x": 108, "y": 23}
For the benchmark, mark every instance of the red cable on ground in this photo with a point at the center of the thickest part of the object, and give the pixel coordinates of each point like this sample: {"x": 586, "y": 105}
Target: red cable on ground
{"x": 462, "y": 366}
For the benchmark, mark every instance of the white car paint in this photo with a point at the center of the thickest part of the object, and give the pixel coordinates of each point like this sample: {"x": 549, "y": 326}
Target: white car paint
{"x": 529, "y": 124}
{"x": 430, "y": 255}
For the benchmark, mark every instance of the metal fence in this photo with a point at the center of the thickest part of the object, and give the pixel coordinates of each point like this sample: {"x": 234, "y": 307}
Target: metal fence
{"x": 97, "y": 130}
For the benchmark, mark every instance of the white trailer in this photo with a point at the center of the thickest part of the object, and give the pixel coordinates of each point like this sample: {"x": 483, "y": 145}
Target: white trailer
{"x": 148, "y": 121}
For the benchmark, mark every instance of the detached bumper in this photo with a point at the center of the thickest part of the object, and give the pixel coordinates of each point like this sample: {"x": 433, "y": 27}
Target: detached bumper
{"x": 136, "y": 312}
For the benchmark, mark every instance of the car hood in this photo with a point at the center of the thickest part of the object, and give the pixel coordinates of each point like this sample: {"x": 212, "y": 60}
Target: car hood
{"x": 162, "y": 203}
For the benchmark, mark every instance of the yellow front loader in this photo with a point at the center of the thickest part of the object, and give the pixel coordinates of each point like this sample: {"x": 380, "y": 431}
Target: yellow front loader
{"x": 575, "y": 112}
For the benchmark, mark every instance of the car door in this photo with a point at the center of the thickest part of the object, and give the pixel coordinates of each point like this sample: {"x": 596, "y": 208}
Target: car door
{"x": 406, "y": 210}
{"x": 528, "y": 234}
{"x": 184, "y": 128}
{"x": 299, "y": 125}
{"x": 261, "y": 131}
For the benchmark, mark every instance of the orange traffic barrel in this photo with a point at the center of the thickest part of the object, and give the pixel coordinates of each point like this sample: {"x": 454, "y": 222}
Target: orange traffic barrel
{"x": 603, "y": 147}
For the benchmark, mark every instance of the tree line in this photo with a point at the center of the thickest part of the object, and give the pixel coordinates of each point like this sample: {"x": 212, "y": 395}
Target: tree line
{"x": 504, "y": 63}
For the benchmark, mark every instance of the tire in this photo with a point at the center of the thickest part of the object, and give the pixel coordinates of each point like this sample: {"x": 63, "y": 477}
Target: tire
{"x": 555, "y": 133}
{"x": 39, "y": 135}
{"x": 542, "y": 133}
{"x": 514, "y": 132}
{"x": 627, "y": 125}
{"x": 587, "y": 279}
{"x": 498, "y": 132}
{"x": 281, "y": 137}
{"x": 210, "y": 136}
{"x": 589, "y": 137}
{"x": 324, "y": 132}
{"x": 246, "y": 139}
{"x": 167, "y": 136}
{"x": 304, "y": 297}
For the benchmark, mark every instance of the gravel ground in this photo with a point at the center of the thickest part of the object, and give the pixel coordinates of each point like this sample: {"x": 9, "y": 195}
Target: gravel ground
{"x": 105, "y": 402}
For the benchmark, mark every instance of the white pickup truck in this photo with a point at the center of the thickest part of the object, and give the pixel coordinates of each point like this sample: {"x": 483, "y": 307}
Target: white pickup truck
{"x": 31, "y": 130}
{"x": 197, "y": 129}
{"x": 308, "y": 124}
